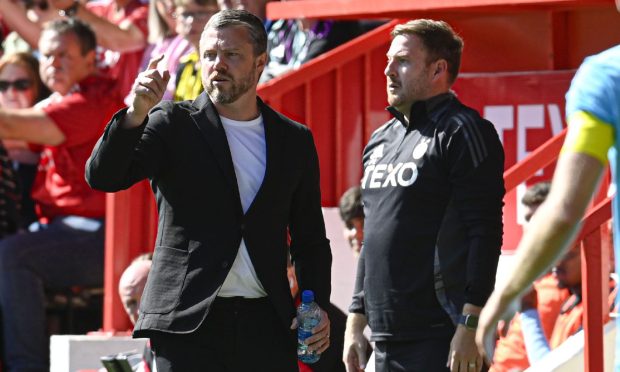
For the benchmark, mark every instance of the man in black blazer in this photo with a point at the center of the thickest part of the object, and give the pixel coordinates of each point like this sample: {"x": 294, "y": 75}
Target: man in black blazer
{"x": 232, "y": 179}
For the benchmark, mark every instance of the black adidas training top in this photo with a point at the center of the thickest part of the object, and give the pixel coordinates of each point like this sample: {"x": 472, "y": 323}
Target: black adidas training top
{"x": 433, "y": 195}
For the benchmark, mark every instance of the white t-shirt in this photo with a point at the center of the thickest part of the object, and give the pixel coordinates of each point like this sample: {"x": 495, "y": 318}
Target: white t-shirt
{"x": 246, "y": 140}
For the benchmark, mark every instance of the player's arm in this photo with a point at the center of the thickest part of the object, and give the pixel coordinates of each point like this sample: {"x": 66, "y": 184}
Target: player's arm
{"x": 557, "y": 222}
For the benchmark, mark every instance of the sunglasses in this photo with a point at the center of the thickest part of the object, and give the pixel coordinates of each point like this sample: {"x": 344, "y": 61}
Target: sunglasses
{"x": 19, "y": 84}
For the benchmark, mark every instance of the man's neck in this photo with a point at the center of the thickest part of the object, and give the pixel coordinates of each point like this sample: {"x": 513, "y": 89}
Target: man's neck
{"x": 72, "y": 89}
{"x": 243, "y": 109}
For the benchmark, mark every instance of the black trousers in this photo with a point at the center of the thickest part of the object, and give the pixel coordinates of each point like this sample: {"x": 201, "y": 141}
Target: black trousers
{"x": 424, "y": 355}
{"x": 238, "y": 335}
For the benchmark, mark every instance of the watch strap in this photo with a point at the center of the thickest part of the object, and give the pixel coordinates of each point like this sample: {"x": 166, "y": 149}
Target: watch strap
{"x": 470, "y": 321}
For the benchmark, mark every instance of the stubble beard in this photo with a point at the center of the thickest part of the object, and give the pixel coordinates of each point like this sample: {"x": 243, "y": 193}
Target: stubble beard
{"x": 403, "y": 98}
{"x": 401, "y": 101}
{"x": 237, "y": 89}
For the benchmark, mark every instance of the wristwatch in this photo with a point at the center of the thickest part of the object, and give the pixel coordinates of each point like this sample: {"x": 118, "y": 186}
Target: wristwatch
{"x": 70, "y": 11}
{"x": 470, "y": 321}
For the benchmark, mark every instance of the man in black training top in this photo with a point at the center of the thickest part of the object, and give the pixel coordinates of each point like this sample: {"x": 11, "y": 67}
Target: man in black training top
{"x": 432, "y": 192}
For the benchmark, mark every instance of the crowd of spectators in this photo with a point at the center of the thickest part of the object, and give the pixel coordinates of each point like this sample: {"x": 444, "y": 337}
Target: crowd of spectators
{"x": 66, "y": 66}
{"x": 551, "y": 311}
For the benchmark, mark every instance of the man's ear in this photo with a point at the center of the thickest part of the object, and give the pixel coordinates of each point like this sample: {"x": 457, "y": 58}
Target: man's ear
{"x": 91, "y": 57}
{"x": 440, "y": 68}
{"x": 261, "y": 61}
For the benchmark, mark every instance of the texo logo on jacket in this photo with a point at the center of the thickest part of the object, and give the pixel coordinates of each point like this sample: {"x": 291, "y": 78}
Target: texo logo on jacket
{"x": 391, "y": 175}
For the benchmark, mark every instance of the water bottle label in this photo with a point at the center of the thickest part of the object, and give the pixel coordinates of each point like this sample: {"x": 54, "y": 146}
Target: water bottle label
{"x": 303, "y": 334}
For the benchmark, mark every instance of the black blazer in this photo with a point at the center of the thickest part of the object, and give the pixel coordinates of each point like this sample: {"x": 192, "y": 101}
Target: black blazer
{"x": 182, "y": 149}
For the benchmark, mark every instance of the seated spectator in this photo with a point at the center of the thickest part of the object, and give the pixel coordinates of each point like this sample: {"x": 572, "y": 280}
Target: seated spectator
{"x": 21, "y": 87}
{"x": 130, "y": 288}
{"x": 65, "y": 248}
{"x": 510, "y": 353}
{"x": 163, "y": 39}
{"x": 192, "y": 16}
{"x": 132, "y": 282}
{"x": 120, "y": 27}
{"x": 293, "y": 42}
{"x": 352, "y": 214}
{"x": 570, "y": 321}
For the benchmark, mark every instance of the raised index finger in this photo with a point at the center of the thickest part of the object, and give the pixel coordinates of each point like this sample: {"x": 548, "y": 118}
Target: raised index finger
{"x": 154, "y": 61}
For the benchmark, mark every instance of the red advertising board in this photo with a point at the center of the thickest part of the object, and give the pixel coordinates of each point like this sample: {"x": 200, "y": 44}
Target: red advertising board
{"x": 527, "y": 109}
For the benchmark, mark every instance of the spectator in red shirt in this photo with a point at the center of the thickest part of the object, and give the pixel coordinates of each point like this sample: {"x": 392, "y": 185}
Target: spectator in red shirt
{"x": 122, "y": 33}
{"x": 65, "y": 248}
{"x": 120, "y": 26}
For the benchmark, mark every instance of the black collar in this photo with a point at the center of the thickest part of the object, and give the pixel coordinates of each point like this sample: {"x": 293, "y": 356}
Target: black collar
{"x": 423, "y": 110}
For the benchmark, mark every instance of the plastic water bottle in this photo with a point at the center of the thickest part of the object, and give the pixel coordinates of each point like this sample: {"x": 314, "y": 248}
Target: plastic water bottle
{"x": 308, "y": 317}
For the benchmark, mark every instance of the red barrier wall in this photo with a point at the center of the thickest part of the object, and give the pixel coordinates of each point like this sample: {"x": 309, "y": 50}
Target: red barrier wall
{"x": 341, "y": 95}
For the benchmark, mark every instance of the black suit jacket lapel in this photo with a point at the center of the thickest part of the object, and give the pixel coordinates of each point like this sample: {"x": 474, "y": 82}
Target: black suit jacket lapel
{"x": 208, "y": 122}
{"x": 274, "y": 146}
{"x": 273, "y": 138}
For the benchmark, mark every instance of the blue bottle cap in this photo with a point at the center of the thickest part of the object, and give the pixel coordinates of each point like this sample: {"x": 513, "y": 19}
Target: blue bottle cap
{"x": 307, "y": 296}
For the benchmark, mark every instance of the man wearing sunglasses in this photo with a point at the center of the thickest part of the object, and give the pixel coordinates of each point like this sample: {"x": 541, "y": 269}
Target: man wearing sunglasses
{"x": 65, "y": 248}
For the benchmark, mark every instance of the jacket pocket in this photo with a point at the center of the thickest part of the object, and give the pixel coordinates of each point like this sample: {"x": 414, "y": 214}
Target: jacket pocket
{"x": 165, "y": 281}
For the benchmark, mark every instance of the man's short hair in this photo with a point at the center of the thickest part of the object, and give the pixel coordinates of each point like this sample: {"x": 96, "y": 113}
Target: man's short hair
{"x": 238, "y": 17}
{"x": 82, "y": 31}
{"x": 350, "y": 204}
{"x": 439, "y": 39}
{"x": 536, "y": 194}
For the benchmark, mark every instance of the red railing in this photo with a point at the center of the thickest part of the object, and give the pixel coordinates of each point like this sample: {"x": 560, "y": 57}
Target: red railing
{"x": 335, "y": 95}
{"x": 360, "y": 9}
{"x": 594, "y": 254}
{"x": 537, "y": 159}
